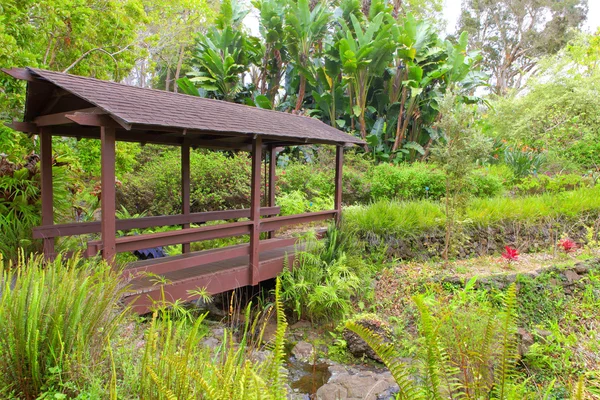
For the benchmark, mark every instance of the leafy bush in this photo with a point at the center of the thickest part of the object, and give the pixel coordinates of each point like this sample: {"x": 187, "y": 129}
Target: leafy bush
{"x": 407, "y": 182}
{"x": 324, "y": 279}
{"x": 218, "y": 182}
{"x": 552, "y": 184}
{"x": 455, "y": 355}
{"x": 55, "y": 319}
{"x": 485, "y": 184}
{"x": 524, "y": 162}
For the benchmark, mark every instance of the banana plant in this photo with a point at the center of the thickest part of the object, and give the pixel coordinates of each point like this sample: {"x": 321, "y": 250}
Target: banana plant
{"x": 305, "y": 30}
{"x": 272, "y": 29}
{"x": 364, "y": 53}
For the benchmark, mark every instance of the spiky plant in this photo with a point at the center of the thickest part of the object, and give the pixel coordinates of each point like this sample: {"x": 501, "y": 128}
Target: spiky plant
{"x": 55, "y": 319}
{"x": 176, "y": 367}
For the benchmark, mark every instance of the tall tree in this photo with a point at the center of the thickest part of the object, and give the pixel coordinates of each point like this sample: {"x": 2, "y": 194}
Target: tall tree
{"x": 514, "y": 34}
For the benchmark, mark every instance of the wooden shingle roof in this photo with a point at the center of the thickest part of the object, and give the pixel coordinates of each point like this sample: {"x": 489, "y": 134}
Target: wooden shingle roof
{"x": 148, "y": 107}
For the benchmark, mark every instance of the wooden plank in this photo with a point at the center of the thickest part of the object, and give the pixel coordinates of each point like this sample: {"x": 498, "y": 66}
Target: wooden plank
{"x": 61, "y": 118}
{"x": 255, "y": 210}
{"x": 272, "y": 165}
{"x": 270, "y": 224}
{"x": 185, "y": 188}
{"x": 47, "y": 190}
{"x": 108, "y": 221}
{"x": 337, "y": 200}
{"x": 131, "y": 243}
{"x": 83, "y": 228}
{"x": 194, "y": 260}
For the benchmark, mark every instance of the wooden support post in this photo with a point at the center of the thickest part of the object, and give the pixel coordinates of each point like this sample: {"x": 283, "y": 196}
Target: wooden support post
{"x": 255, "y": 210}
{"x": 339, "y": 162}
{"x": 271, "y": 192}
{"x": 108, "y": 222}
{"x": 185, "y": 188}
{"x": 47, "y": 192}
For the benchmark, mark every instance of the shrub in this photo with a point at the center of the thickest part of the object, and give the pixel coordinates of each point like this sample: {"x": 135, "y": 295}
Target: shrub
{"x": 524, "y": 162}
{"x": 552, "y": 184}
{"x": 407, "y": 182}
{"x": 485, "y": 184}
{"x": 218, "y": 182}
{"x": 55, "y": 320}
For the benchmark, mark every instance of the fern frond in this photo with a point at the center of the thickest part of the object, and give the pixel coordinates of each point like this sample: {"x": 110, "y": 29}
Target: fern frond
{"x": 509, "y": 354}
{"x": 409, "y": 390}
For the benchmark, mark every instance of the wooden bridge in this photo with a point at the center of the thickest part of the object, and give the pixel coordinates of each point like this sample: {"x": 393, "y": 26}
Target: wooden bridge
{"x": 59, "y": 104}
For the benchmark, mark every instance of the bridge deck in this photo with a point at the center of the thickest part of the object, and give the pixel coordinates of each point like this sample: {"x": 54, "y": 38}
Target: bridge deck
{"x": 146, "y": 287}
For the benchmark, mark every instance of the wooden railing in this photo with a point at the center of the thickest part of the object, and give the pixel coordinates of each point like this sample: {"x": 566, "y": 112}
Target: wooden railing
{"x": 83, "y": 228}
{"x": 137, "y": 242}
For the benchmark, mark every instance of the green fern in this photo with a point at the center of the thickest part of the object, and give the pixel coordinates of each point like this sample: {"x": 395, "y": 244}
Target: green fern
{"x": 509, "y": 356}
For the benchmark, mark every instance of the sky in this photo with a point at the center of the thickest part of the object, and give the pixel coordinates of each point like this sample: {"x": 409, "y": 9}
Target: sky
{"x": 452, "y": 12}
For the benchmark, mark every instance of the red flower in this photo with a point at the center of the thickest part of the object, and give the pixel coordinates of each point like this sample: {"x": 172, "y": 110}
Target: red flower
{"x": 568, "y": 245}
{"x": 510, "y": 254}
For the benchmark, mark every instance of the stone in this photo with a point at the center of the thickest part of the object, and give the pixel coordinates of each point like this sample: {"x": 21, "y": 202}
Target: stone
{"x": 525, "y": 341}
{"x": 304, "y": 351}
{"x": 543, "y": 334}
{"x": 211, "y": 343}
{"x": 571, "y": 276}
{"x": 364, "y": 385}
{"x": 582, "y": 268}
{"x": 218, "y": 333}
{"x": 358, "y": 347}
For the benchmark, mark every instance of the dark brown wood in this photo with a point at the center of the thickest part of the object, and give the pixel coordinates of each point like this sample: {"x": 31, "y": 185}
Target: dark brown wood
{"x": 185, "y": 188}
{"x": 271, "y": 224}
{"x": 337, "y": 200}
{"x": 83, "y": 228}
{"x": 131, "y": 243}
{"x": 88, "y": 119}
{"x": 47, "y": 191}
{"x": 25, "y": 127}
{"x": 61, "y": 118}
{"x": 108, "y": 220}
{"x": 255, "y": 210}
{"x": 19, "y": 73}
{"x": 271, "y": 179}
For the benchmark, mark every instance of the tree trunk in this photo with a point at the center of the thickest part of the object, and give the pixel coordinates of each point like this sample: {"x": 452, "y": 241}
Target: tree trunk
{"x": 179, "y": 64}
{"x": 301, "y": 91}
{"x": 168, "y": 79}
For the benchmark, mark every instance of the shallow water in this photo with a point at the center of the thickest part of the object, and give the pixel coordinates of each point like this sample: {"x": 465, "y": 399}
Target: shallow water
{"x": 306, "y": 378}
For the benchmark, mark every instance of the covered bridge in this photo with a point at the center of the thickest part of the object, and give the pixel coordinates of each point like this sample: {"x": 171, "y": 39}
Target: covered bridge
{"x": 60, "y": 104}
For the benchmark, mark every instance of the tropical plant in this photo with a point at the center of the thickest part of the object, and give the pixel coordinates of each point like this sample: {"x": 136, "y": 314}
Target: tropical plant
{"x": 305, "y": 29}
{"x": 55, "y": 320}
{"x": 173, "y": 367}
{"x": 447, "y": 369}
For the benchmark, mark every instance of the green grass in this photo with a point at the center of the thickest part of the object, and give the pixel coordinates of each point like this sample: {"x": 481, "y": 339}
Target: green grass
{"x": 399, "y": 218}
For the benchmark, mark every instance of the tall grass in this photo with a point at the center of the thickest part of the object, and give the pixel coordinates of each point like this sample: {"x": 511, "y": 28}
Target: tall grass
{"x": 400, "y": 218}
{"x": 55, "y": 320}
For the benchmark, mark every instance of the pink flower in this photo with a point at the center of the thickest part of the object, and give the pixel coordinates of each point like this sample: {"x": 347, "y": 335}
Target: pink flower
{"x": 568, "y": 245}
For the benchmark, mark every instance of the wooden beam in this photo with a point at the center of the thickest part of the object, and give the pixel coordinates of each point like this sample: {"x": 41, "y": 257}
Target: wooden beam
{"x": 91, "y": 119}
{"x": 255, "y": 211}
{"x": 19, "y": 73}
{"x": 274, "y": 223}
{"x": 185, "y": 188}
{"x": 47, "y": 190}
{"x": 108, "y": 221}
{"x": 339, "y": 163}
{"x": 61, "y": 118}
{"x": 25, "y": 127}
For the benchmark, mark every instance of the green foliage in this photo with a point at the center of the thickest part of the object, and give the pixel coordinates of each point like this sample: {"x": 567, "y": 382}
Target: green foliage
{"x": 400, "y": 219}
{"x": 173, "y": 367}
{"x": 324, "y": 279}
{"x": 552, "y": 184}
{"x": 218, "y": 182}
{"x": 407, "y": 182}
{"x": 457, "y": 351}
{"x": 523, "y": 162}
{"x": 55, "y": 319}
